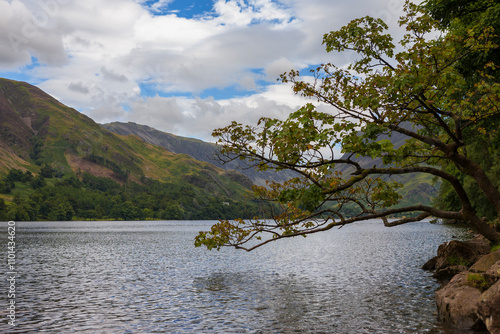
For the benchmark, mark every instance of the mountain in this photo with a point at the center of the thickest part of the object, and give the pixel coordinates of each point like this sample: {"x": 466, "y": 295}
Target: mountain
{"x": 195, "y": 148}
{"x": 36, "y": 129}
{"x": 119, "y": 170}
{"x": 37, "y": 132}
{"x": 418, "y": 188}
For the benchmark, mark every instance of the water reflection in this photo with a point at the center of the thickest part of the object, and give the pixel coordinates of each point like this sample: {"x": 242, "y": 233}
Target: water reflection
{"x": 133, "y": 277}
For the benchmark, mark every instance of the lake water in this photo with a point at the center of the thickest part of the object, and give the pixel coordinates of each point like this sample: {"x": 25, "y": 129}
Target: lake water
{"x": 147, "y": 277}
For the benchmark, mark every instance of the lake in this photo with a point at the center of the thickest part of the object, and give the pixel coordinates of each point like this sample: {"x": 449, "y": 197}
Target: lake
{"x": 147, "y": 277}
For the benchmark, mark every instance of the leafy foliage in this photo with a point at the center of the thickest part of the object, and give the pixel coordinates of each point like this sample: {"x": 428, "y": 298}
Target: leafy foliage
{"x": 418, "y": 92}
{"x": 461, "y": 17}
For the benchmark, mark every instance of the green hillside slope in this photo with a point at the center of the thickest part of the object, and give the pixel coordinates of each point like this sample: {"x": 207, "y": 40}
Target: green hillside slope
{"x": 197, "y": 149}
{"x": 37, "y": 131}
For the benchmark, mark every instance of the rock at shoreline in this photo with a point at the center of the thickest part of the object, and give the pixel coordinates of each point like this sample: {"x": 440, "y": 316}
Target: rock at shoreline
{"x": 488, "y": 308}
{"x": 456, "y": 256}
{"x": 457, "y": 302}
{"x": 471, "y": 299}
{"x": 450, "y": 271}
{"x": 485, "y": 262}
{"x": 459, "y": 253}
{"x": 431, "y": 264}
{"x": 493, "y": 273}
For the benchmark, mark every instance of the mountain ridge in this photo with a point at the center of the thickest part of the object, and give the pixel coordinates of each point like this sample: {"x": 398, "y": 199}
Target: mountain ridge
{"x": 38, "y": 132}
{"x": 198, "y": 149}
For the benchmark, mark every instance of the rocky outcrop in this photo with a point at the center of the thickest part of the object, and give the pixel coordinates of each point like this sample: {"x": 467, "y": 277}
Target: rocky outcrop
{"x": 485, "y": 262}
{"x": 471, "y": 299}
{"x": 461, "y": 253}
{"x": 488, "y": 308}
{"x": 456, "y": 303}
{"x": 493, "y": 273}
{"x": 456, "y": 256}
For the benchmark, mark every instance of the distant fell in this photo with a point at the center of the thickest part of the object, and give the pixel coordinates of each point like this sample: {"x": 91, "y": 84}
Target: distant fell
{"x": 195, "y": 148}
{"x": 38, "y": 130}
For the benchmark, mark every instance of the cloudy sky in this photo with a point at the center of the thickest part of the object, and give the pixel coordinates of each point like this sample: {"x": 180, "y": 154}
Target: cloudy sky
{"x": 181, "y": 66}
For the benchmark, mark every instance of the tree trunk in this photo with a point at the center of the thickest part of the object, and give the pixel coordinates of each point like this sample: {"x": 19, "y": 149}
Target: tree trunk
{"x": 488, "y": 189}
{"x": 481, "y": 226}
{"x": 473, "y": 169}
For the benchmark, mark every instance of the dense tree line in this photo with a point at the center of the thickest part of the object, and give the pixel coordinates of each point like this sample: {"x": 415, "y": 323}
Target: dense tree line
{"x": 91, "y": 197}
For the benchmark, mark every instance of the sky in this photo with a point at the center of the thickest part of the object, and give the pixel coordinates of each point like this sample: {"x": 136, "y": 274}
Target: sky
{"x": 181, "y": 66}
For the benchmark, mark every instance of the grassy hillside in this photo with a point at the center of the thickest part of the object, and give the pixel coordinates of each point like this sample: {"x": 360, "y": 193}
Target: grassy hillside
{"x": 37, "y": 132}
{"x": 48, "y": 148}
{"x": 36, "y": 129}
{"x": 197, "y": 149}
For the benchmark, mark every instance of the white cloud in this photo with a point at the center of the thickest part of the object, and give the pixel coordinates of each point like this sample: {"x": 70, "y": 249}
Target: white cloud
{"x": 196, "y": 117}
{"x": 277, "y": 67}
{"x": 243, "y": 13}
{"x": 160, "y": 5}
{"x": 112, "y": 75}
{"x": 96, "y": 56}
{"x": 79, "y": 87}
{"x": 28, "y": 30}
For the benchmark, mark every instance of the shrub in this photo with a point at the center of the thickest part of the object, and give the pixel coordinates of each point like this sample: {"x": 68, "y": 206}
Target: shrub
{"x": 458, "y": 261}
{"x": 478, "y": 281}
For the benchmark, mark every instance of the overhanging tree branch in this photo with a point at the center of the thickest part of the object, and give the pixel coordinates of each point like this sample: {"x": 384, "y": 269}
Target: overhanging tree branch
{"x": 418, "y": 93}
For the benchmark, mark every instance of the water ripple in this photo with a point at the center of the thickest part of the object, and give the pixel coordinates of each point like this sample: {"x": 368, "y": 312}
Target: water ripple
{"x": 146, "y": 277}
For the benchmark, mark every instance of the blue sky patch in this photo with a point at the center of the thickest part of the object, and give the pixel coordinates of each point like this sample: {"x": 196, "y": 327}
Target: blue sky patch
{"x": 23, "y": 73}
{"x": 225, "y": 93}
{"x": 181, "y": 8}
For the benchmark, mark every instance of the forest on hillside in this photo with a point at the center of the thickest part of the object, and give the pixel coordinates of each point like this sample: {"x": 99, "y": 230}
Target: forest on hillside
{"x": 48, "y": 196}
